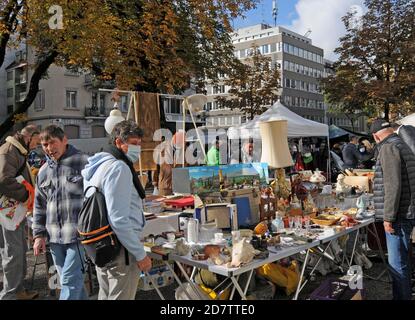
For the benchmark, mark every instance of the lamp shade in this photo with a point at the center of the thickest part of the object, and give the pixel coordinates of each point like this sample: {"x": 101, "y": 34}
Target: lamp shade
{"x": 114, "y": 118}
{"x": 196, "y": 102}
{"x": 275, "y": 149}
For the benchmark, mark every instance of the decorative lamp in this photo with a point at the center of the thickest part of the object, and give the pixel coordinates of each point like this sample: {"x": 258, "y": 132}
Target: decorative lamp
{"x": 114, "y": 118}
{"x": 275, "y": 151}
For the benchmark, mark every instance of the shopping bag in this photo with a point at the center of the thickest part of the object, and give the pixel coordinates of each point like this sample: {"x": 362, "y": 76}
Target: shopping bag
{"x": 13, "y": 212}
{"x": 285, "y": 277}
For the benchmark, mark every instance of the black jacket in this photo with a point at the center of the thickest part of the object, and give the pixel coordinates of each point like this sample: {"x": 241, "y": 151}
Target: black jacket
{"x": 352, "y": 156}
{"x": 394, "y": 182}
{"x": 407, "y": 134}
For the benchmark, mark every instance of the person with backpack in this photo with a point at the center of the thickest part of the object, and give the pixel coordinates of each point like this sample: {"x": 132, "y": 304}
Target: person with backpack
{"x": 58, "y": 200}
{"x": 13, "y": 246}
{"x": 112, "y": 173}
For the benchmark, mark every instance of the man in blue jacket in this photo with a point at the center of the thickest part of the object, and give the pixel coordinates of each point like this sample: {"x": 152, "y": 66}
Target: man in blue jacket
{"x": 114, "y": 173}
{"x": 58, "y": 200}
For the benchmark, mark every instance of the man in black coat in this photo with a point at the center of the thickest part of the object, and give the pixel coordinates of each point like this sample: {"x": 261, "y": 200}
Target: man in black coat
{"x": 394, "y": 199}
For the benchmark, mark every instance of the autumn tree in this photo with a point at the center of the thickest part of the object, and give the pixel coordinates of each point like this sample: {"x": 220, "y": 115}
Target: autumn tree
{"x": 253, "y": 83}
{"x": 153, "y": 46}
{"x": 375, "y": 70}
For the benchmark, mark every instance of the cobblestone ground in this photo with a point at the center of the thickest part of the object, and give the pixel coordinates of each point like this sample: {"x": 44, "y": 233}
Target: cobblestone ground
{"x": 374, "y": 290}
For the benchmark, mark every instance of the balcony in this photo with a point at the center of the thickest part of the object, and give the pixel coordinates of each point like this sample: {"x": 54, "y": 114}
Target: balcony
{"x": 94, "y": 112}
{"x": 21, "y": 80}
{"x": 90, "y": 81}
{"x": 20, "y": 96}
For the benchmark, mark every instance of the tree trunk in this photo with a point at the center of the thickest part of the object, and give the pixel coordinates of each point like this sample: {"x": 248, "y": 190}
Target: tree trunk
{"x": 22, "y": 107}
{"x": 386, "y": 110}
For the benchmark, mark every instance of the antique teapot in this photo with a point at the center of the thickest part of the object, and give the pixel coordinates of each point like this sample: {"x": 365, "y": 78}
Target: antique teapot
{"x": 317, "y": 177}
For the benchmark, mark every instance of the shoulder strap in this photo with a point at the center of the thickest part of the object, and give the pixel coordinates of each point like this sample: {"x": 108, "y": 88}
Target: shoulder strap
{"x": 97, "y": 179}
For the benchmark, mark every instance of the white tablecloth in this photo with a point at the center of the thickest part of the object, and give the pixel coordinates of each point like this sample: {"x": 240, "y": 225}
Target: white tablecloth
{"x": 162, "y": 224}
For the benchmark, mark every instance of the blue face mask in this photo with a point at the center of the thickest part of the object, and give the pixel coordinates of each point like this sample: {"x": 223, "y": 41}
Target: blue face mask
{"x": 133, "y": 152}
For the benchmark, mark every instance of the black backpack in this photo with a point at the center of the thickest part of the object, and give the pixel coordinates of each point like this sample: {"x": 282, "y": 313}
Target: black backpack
{"x": 99, "y": 240}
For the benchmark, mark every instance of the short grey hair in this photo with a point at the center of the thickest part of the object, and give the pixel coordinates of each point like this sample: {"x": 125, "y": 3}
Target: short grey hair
{"x": 30, "y": 131}
{"x": 126, "y": 129}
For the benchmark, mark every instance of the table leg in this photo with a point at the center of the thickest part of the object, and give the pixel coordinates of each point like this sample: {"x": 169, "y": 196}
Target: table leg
{"x": 233, "y": 289}
{"x": 238, "y": 287}
{"x": 156, "y": 287}
{"x": 194, "y": 287}
{"x": 354, "y": 248}
{"x": 375, "y": 233}
{"x": 299, "y": 287}
{"x": 177, "y": 279}
{"x": 248, "y": 282}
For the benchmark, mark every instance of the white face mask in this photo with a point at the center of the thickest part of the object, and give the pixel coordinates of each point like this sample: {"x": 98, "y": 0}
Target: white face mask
{"x": 133, "y": 152}
{"x": 363, "y": 149}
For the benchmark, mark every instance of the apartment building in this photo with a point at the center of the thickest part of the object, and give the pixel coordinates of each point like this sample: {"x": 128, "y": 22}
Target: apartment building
{"x": 301, "y": 66}
{"x": 72, "y": 100}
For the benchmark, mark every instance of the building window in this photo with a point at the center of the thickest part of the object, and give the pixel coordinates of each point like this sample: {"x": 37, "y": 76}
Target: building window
{"x": 124, "y": 103}
{"x": 72, "y": 131}
{"x": 10, "y": 109}
{"x": 286, "y": 64}
{"x": 40, "y": 100}
{"x": 9, "y": 75}
{"x": 10, "y": 93}
{"x": 265, "y": 49}
{"x": 98, "y": 132}
{"x": 296, "y": 51}
{"x": 71, "y": 99}
{"x": 286, "y": 47}
{"x": 273, "y": 47}
{"x": 94, "y": 98}
{"x": 102, "y": 99}
{"x": 242, "y": 53}
{"x": 208, "y": 106}
{"x": 287, "y": 82}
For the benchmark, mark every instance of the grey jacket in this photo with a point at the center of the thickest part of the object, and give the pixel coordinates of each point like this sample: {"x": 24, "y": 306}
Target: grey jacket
{"x": 407, "y": 134}
{"x": 394, "y": 182}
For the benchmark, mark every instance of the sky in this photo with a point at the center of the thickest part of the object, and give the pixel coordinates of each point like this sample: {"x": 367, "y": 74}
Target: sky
{"x": 323, "y": 17}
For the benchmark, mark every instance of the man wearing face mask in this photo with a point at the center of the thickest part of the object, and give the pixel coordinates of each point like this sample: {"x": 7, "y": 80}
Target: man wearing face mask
{"x": 351, "y": 154}
{"x": 394, "y": 199}
{"x": 113, "y": 170}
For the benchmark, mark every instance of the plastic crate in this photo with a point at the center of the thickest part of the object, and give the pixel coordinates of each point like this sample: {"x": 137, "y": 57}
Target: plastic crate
{"x": 335, "y": 289}
{"x": 161, "y": 276}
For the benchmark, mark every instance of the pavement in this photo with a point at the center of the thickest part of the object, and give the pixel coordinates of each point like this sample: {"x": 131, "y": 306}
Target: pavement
{"x": 373, "y": 290}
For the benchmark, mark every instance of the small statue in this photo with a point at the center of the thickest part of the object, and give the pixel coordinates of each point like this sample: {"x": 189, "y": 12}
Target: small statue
{"x": 242, "y": 253}
{"x": 341, "y": 186}
{"x": 182, "y": 248}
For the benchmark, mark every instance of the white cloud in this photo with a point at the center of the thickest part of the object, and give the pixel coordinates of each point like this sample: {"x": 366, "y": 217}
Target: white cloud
{"x": 323, "y": 17}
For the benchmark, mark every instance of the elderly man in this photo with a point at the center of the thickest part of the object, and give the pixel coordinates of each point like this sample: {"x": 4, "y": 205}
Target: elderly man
{"x": 113, "y": 170}
{"x": 13, "y": 163}
{"x": 394, "y": 198}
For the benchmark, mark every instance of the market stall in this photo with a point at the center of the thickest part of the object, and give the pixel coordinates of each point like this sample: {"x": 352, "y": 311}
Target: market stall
{"x": 305, "y": 221}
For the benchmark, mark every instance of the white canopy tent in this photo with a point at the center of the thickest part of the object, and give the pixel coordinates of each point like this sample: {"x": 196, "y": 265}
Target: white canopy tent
{"x": 409, "y": 120}
{"x": 297, "y": 126}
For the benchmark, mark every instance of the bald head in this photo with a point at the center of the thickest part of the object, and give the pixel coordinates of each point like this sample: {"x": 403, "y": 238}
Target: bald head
{"x": 382, "y": 134}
